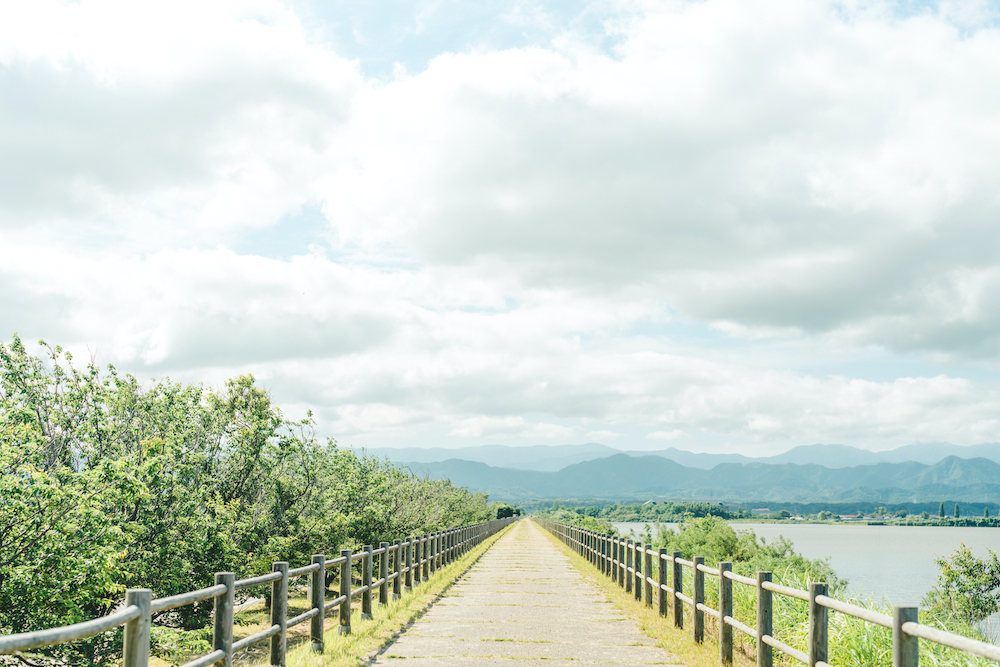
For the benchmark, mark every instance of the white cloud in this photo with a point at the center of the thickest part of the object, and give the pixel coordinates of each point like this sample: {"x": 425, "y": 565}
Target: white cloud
{"x": 667, "y": 435}
{"x": 549, "y": 243}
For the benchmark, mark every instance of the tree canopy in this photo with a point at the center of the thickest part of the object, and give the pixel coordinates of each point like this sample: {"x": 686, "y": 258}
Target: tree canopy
{"x": 108, "y": 483}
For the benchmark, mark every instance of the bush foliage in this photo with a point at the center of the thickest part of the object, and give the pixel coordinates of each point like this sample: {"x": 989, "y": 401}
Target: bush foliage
{"x": 106, "y": 483}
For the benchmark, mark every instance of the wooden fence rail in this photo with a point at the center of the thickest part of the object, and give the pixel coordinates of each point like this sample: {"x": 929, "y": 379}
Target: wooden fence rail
{"x": 411, "y": 561}
{"x": 630, "y": 565}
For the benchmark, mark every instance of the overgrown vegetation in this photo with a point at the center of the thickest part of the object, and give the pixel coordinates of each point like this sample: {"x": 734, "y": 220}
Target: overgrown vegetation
{"x": 106, "y": 483}
{"x": 576, "y": 517}
{"x": 968, "y": 591}
{"x": 664, "y": 512}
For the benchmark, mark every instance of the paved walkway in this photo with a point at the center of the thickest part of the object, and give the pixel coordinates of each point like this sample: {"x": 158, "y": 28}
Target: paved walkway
{"x": 523, "y": 604}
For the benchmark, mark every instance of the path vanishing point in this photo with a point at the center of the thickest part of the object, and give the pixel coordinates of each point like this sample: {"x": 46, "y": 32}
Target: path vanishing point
{"x": 523, "y": 604}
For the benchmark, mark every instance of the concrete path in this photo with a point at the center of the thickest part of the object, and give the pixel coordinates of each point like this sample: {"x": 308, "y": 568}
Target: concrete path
{"x": 523, "y": 604}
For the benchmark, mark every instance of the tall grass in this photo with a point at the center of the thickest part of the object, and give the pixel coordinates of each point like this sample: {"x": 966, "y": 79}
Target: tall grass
{"x": 851, "y": 641}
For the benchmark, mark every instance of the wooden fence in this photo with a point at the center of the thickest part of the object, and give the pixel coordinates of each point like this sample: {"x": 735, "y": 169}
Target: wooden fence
{"x": 402, "y": 563}
{"x": 632, "y": 566}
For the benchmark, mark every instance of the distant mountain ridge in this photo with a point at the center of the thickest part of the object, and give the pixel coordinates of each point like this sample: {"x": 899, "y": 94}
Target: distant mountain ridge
{"x": 552, "y": 458}
{"x": 622, "y": 476}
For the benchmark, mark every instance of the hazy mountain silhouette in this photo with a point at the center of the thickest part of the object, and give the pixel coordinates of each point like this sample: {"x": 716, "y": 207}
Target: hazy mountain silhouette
{"x": 551, "y": 458}
{"x": 643, "y": 477}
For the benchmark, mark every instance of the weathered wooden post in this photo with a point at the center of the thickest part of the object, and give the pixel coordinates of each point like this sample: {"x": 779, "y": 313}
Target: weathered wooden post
{"x": 764, "y": 652}
{"x": 628, "y": 566}
{"x": 366, "y": 583}
{"x": 425, "y": 558}
{"x": 397, "y": 569}
{"x": 136, "y": 649}
{"x": 317, "y": 595}
{"x": 622, "y": 565}
{"x": 678, "y": 581}
{"x": 639, "y": 550}
{"x": 616, "y": 560}
{"x": 438, "y": 555}
{"x": 409, "y": 564}
{"x": 279, "y": 613}
{"x": 435, "y": 551}
{"x": 647, "y": 570}
{"x": 222, "y": 624}
{"x": 662, "y": 578}
{"x": 817, "y": 625}
{"x": 725, "y": 609}
{"x": 698, "y": 596}
{"x": 905, "y": 648}
{"x": 383, "y": 574}
{"x": 345, "y": 592}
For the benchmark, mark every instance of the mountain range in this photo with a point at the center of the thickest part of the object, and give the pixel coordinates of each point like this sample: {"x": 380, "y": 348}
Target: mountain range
{"x": 624, "y": 477}
{"x": 552, "y": 458}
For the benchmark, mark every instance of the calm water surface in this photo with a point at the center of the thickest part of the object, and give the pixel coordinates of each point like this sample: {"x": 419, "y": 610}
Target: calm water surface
{"x": 891, "y": 562}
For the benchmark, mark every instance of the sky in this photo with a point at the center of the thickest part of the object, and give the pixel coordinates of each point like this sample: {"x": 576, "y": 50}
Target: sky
{"x": 722, "y": 226}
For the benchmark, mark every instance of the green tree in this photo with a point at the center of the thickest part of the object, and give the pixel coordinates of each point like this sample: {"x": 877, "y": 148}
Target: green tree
{"x": 957, "y": 513}
{"x": 717, "y": 541}
{"x": 967, "y": 587}
{"x": 106, "y": 483}
{"x": 986, "y": 512}
{"x": 941, "y": 510}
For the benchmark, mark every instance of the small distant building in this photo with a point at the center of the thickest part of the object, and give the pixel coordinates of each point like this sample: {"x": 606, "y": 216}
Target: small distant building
{"x": 761, "y": 510}
{"x": 851, "y": 517}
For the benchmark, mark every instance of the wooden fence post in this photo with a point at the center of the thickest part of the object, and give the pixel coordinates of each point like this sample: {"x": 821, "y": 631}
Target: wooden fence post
{"x": 616, "y": 560}
{"x": 136, "y": 649}
{"x": 628, "y": 566}
{"x": 345, "y": 592}
{"x": 817, "y": 625}
{"x": 366, "y": 583}
{"x": 621, "y": 563}
{"x": 409, "y": 565}
{"x": 424, "y": 559}
{"x": 678, "y": 581}
{"x": 222, "y": 624}
{"x": 279, "y": 613}
{"x": 662, "y": 578}
{"x": 725, "y": 609}
{"x": 647, "y": 570}
{"x": 430, "y": 555}
{"x": 905, "y": 649}
{"x": 318, "y": 602}
{"x": 637, "y": 559}
{"x": 764, "y": 652}
{"x": 397, "y": 568}
{"x": 698, "y": 596}
{"x": 383, "y": 574}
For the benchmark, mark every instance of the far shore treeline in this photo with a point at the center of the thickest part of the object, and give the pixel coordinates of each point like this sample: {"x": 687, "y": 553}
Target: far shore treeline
{"x": 969, "y": 515}
{"x": 108, "y": 483}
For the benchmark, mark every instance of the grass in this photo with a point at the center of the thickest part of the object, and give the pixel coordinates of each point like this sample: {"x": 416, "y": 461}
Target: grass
{"x": 677, "y": 642}
{"x": 367, "y": 636}
{"x": 852, "y": 642}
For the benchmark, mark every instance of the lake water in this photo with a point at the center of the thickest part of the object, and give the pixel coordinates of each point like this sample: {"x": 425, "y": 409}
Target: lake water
{"x": 891, "y": 562}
